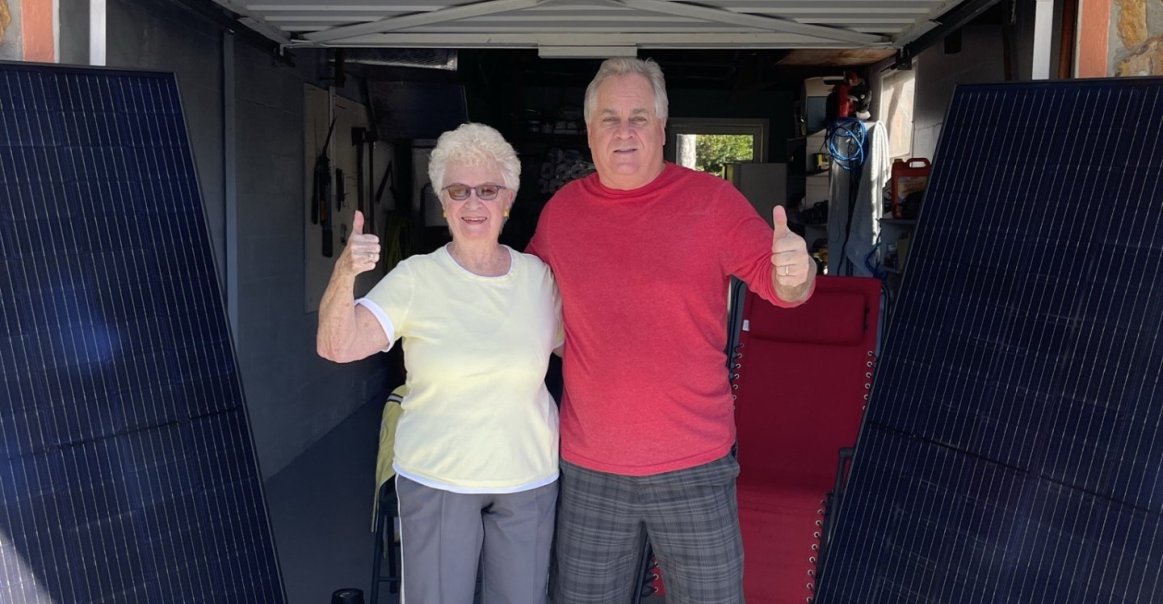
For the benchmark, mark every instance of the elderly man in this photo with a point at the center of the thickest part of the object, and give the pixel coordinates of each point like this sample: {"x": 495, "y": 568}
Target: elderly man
{"x": 643, "y": 252}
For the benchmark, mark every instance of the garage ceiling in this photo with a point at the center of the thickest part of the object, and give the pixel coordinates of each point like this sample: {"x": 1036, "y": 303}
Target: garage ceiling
{"x": 593, "y": 28}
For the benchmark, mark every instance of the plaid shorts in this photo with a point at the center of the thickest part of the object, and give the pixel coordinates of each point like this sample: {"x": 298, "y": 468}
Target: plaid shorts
{"x": 690, "y": 516}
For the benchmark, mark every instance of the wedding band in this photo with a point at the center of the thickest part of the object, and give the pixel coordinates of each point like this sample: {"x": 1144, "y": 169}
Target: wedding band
{"x": 784, "y": 268}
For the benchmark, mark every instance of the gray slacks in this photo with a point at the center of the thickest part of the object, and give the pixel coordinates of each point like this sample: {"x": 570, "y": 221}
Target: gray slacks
{"x": 443, "y": 536}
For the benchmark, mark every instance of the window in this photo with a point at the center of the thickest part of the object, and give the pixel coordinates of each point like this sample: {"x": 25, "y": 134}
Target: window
{"x": 896, "y": 111}
{"x": 709, "y": 144}
{"x": 712, "y": 152}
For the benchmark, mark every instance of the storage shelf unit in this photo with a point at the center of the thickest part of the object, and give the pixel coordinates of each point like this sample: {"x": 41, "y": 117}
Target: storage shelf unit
{"x": 807, "y": 185}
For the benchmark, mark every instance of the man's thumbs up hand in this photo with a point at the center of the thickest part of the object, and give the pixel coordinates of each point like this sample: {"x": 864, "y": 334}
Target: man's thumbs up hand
{"x": 791, "y": 266}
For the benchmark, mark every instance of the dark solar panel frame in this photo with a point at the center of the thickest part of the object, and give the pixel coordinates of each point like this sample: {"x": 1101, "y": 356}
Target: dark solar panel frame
{"x": 1012, "y": 449}
{"x": 127, "y": 465}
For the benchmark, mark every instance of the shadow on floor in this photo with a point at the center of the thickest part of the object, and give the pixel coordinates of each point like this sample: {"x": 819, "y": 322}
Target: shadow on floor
{"x": 320, "y": 508}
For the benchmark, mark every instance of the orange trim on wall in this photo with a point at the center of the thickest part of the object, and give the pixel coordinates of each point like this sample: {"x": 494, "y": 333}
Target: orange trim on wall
{"x": 36, "y": 29}
{"x": 1094, "y": 22}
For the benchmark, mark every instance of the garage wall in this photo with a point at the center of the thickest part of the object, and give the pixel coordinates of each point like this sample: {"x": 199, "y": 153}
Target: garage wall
{"x": 293, "y": 396}
{"x": 160, "y": 36}
{"x": 938, "y": 73}
{"x": 982, "y": 59}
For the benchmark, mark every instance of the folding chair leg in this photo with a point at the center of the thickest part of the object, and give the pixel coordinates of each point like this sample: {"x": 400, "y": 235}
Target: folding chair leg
{"x": 377, "y": 559}
{"x": 832, "y": 508}
{"x": 643, "y": 588}
{"x": 393, "y": 558}
{"x": 385, "y": 539}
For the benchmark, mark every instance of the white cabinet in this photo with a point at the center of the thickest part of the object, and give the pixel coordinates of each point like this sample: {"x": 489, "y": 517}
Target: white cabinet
{"x": 764, "y": 185}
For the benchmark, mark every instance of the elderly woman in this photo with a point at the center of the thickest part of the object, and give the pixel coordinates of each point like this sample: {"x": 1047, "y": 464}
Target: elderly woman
{"x": 476, "y": 449}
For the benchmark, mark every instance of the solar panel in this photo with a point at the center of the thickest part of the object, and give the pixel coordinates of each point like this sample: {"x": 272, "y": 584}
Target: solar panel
{"x": 127, "y": 469}
{"x": 1013, "y": 443}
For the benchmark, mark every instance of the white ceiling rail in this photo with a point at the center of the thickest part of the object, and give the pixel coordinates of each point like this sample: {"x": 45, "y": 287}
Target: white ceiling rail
{"x": 373, "y": 7}
{"x": 464, "y": 11}
{"x": 923, "y": 26}
{"x": 247, "y": 17}
{"x": 852, "y": 38}
{"x": 798, "y": 8}
{"x": 639, "y": 40}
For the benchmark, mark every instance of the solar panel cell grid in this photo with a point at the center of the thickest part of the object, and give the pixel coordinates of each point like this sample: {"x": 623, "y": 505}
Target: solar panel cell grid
{"x": 1011, "y": 450}
{"x": 127, "y": 471}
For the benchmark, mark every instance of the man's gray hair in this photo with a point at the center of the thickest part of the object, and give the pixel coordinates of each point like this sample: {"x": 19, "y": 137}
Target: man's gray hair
{"x": 474, "y": 145}
{"x": 620, "y": 66}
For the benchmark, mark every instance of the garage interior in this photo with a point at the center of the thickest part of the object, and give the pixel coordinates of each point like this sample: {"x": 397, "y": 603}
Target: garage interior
{"x": 261, "y": 84}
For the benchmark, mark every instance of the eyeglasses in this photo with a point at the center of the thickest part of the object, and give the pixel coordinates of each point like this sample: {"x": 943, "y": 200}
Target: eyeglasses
{"x": 485, "y": 192}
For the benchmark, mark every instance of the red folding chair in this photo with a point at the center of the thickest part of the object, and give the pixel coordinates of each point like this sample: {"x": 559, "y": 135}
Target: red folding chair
{"x": 801, "y": 378}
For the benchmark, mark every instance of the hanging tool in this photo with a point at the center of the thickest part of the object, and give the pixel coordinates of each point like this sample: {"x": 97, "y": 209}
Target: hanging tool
{"x": 357, "y": 139}
{"x": 385, "y": 184}
{"x": 340, "y": 197}
{"x": 361, "y": 138}
{"x": 371, "y": 179}
{"x": 368, "y": 136}
{"x": 321, "y": 194}
{"x": 315, "y": 197}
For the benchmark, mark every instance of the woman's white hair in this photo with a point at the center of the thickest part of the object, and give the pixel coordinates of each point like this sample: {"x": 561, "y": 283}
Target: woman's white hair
{"x": 620, "y": 66}
{"x": 474, "y": 145}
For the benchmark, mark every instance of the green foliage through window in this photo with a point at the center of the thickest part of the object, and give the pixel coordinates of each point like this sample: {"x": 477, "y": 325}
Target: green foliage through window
{"x": 712, "y": 151}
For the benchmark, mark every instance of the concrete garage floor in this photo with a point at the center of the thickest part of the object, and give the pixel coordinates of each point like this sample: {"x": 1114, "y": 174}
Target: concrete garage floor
{"x": 320, "y": 507}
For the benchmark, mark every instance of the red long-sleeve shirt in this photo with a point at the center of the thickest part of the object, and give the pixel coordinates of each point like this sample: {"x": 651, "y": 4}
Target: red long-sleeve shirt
{"x": 643, "y": 276}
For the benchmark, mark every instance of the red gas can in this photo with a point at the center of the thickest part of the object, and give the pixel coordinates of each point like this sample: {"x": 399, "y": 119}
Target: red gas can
{"x": 908, "y": 176}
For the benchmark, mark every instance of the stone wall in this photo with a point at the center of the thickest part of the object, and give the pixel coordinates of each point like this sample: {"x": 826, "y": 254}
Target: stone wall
{"x": 1136, "y": 41}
